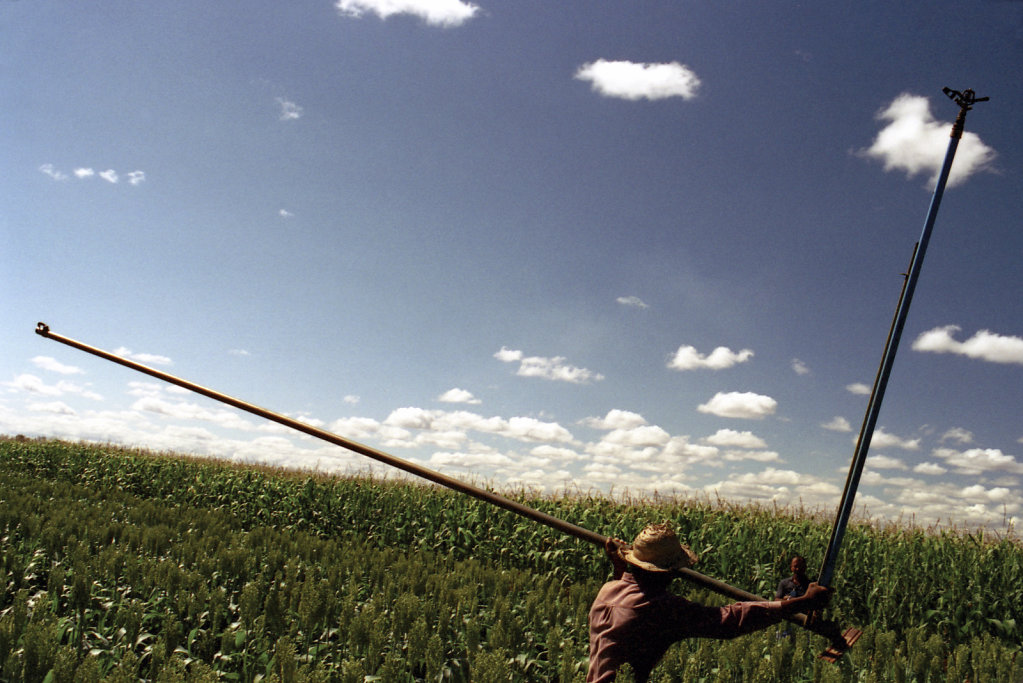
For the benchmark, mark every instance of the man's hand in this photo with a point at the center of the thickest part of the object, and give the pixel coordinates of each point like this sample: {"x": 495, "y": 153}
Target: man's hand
{"x": 614, "y": 547}
{"x": 816, "y": 597}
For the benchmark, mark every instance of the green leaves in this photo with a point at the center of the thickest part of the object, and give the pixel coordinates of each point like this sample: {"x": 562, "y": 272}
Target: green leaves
{"x": 127, "y": 565}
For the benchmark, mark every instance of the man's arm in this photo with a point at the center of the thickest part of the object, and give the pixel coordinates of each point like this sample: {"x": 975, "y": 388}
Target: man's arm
{"x": 814, "y": 599}
{"x": 614, "y": 547}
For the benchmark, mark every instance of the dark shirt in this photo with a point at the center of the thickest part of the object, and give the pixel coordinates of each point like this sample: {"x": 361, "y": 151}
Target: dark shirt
{"x": 791, "y": 588}
{"x": 635, "y": 623}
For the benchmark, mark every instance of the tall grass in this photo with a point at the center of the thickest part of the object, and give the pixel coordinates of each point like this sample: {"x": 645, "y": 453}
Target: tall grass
{"x": 122, "y": 565}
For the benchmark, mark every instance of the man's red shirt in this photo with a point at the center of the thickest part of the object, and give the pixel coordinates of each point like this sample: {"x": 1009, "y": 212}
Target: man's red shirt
{"x": 633, "y": 623}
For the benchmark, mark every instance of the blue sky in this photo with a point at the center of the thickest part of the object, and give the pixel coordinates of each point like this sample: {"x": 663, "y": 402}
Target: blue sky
{"x": 636, "y": 248}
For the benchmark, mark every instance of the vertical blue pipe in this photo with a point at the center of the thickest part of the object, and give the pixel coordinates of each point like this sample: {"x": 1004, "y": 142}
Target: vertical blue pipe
{"x": 846, "y": 505}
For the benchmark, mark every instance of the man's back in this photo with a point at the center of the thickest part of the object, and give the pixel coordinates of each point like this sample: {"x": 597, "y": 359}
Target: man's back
{"x": 636, "y": 621}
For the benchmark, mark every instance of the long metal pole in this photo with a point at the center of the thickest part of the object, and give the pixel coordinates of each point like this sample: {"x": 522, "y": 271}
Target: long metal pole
{"x": 965, "y": 100}
{"x": 579, "y": 532}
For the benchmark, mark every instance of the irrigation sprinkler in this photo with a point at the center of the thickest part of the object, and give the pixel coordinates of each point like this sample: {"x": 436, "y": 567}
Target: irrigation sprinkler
{"x": 839, "y": 644}
{"x": 965, "y": 100}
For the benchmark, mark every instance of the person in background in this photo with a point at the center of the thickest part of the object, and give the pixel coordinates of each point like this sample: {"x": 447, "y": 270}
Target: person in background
{"x": 635, "y": 619}
{"x": 795, "y": 585}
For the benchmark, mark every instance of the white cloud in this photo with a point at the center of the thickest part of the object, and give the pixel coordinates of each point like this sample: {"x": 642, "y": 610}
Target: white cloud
{"x": 688, "y": 358}
{"x": 635, "y": 81}
{"x": 284, "y": 213}
{"x": 351, "y": 399}
{"x": 739, "y": 405}
{"x": 957, "y": 434}
{"x": 882, "y": 439}
{"x": 799, "y": 367}
{"x": 616, "y": 419}
{"x": 150, "y": 358}
{"x": 637, "y": 437}
{"x": 183, "y": 410}
{"x": 930, "y": 468}
{"x": 772, "y": 485}
{"x": 289, "y": 110}
{"x": 838, "y": 424}
{"x": 984, "y": 345}
{"x": 554, "y": 369}
{"x": 85, "y": 172}
{"x": 458, "y": 396}
{"x": 31, "y": 384}
{"x": 51, "y": 364}
{"x": 633, "y": 301}
{"x": 730, "y": 437}
{"x": 519, "y": 428}
{"x": 54, "y": 407}
{"x": 556, "y": 453}
{"x": 976, "y": 461}
{"x": 49, "y": 170}
{"x": 433, "y": 12}
{"x": 506, "y": 355}
{"x": 356, "y": 428}
{"x": 884, "y": 462}
{"x": 858, "y": 388}
{"x": 756, "y": 456}
{"x": 914, "y": 142}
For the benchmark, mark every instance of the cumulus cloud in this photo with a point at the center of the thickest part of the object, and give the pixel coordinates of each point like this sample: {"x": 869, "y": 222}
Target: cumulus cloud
{"x": 755, "y": 456}
{"x": 838, "y": 424}
{"x": 632, "y": 301}
{"x": 799, "y": 367}
{"x": 930, "y": 468}
{"x": 31, "y": 384}
{"x": 289, "y": 110}
{"x": 636, "y": 81}
{"x": 506, "y": 355}
{"x": 688, "y": 358}
{"x": 185, "y": 410}
{"x": 150, "y": 358}
{"x": 775, "y": 486}
{"x": 53, "y": 365}
{"x": 85, "y": 172}
{"x": 616, "y": 419}
{"x": 884, "y": 462}
{"x": 52, "y": 407}
{"x": 458, "y": 396}
{"x": 914, "y": 142}
{"x": 49, "y": 170}
{"x": 984, "y": 345}
{"x": 732, "y": 438}
{"x": 882, "y": 439}
{"x": 444, "y": 13}
{"x": 858, "y": 388}
{"x": 977, "y": 461}
{"x": 957, "y": 434}
{"x": 737, "y": 404}
{"x": 519, "y": 428}
{"x": 554, "y": 369}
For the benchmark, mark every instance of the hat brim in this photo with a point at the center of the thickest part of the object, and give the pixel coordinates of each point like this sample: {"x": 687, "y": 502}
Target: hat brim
{"x": 687, "y": 558}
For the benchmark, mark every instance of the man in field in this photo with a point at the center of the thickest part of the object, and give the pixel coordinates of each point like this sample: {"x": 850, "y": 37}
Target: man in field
{"x": 634, "y": 618}
{"x": 795, "y": 585}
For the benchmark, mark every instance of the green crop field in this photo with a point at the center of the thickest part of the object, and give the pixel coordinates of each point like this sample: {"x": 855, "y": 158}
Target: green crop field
{"x": 121, "y": 565}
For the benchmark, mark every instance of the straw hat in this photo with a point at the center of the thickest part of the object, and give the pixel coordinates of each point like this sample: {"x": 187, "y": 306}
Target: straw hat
{"x": 657, "y": 549}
